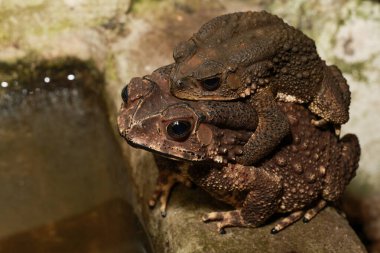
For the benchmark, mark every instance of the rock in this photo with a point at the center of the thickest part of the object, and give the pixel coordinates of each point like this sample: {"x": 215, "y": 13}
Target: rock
{"x": 183, "y": 231}
{"x": 132, "y": 38}
{"x": 57, "y": 29}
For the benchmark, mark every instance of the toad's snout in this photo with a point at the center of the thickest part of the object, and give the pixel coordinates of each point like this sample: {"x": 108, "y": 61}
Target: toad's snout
{"x": 133, "y": 95}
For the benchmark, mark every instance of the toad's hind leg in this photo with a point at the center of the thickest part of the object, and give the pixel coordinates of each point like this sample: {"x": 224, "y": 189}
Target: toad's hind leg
{"x": 311, "y": 213}
{"x": 333, "y": 99}
{"x": 287, "y": 221}
{"x": 259, "y": 204}
{"x": 226, "y": 219}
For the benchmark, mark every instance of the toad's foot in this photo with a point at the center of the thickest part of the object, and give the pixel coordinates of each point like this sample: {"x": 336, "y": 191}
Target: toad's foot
{"x": 337, "y": 129}
{"x": 283, "y": 223}
{"x": 226, "y": 219}
{"x": 319, "y": 122}
{"x": 165, "y": 184}
{"x": 295, "y": 216}
{"x": 311, "y": 213}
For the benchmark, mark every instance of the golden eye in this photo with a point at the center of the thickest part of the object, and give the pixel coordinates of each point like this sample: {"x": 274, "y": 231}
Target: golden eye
{"x": 211, "y": 84}
{"x": 179, "y": 130}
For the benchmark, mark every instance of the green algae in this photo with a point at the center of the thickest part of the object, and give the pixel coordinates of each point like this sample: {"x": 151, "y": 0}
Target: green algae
{"x": 143, "y": 6}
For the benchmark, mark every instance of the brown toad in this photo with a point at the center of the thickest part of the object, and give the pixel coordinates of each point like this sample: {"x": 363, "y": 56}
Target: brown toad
{"x": 310, "y": 168}
{"x": 256, "y": 54}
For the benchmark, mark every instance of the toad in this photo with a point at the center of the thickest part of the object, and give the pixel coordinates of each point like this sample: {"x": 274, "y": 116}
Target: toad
{"x": 308, "y": 170}
{"x": 258, "y": 55}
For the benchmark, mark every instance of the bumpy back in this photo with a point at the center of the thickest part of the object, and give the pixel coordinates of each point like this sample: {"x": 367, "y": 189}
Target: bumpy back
{"x": 351, "y": 155}
{"x": 225, "y": 27}
{"x": 314, "y": 160}
{"x": 344, "y": 161}
{"x": 254, "y": 35}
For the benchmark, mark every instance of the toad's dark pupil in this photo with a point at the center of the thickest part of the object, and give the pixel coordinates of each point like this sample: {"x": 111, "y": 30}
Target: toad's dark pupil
{"x": 124, "y": 94}
{"x": 179, "y": 130}
{"x": 211, "y": 83}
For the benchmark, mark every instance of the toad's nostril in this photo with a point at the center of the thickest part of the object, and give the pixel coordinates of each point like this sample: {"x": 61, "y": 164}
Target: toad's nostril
{"x": 180, "y": 83}
{"x": 124, "y": 94}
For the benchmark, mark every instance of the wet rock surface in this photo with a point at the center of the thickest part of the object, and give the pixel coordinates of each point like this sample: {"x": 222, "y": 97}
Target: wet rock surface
{"x": 62, "y": 175}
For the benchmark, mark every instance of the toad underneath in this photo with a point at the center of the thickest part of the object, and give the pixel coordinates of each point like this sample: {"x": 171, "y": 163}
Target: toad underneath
{"x": 309, "y": 169}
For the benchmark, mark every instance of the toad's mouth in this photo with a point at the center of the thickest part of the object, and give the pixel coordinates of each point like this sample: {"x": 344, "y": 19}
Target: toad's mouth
{"x": 173, "y": 153}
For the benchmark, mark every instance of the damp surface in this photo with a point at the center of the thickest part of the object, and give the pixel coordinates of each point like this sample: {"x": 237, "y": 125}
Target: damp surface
{"x": 63, "y": 183}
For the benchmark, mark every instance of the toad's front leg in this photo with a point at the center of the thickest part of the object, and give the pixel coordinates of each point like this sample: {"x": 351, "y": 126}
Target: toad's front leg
{"x": 273, "y": 126}
{"x": 168, "y": 176}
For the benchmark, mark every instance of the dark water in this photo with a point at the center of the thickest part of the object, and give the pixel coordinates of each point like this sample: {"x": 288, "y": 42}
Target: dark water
{"x": 63, "y": 183}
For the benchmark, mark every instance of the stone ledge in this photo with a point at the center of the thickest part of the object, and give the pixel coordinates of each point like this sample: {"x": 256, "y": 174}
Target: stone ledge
{"x": 183, "y": 231}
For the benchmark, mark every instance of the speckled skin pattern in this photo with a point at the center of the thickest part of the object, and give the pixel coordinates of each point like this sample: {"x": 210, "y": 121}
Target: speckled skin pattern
{"x": 309, "y": 168}
{"x": 256, "y": 54}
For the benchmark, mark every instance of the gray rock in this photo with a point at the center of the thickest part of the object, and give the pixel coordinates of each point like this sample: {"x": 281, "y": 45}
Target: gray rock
{"x": 135, "y": 44}
{"x": 183, "y": 231}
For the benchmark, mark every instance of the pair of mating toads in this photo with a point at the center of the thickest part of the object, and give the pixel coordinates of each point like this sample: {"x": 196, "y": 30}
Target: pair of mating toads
{"x": 249, "y": 113}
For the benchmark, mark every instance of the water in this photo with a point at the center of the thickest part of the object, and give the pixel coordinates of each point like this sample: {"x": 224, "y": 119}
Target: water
{"x": 63, "y": 183}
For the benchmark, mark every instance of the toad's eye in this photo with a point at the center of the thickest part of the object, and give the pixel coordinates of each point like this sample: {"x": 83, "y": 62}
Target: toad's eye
{"x": 211, "y": 84}
{"x": 124, "y": 94}
{"x": 179, "y": 130}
